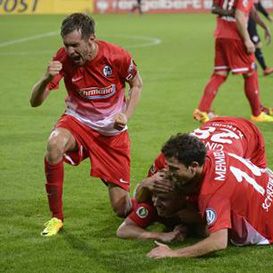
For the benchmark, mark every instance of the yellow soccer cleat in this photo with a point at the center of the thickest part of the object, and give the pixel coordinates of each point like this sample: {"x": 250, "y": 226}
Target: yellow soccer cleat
{"x": 52, "y": 227}
{"x": 263, "y": 117}
{"x": 200, "y": 116}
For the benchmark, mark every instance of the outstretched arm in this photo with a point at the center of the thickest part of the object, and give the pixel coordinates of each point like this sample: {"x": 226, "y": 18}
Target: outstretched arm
{"x": 130, "y": 230}
{"x": 216, "y": 241}
{"x": 39, "y": 90}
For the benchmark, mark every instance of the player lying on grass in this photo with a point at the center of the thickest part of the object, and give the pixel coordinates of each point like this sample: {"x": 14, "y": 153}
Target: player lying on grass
{"x": 231, "y": 134}
{"x": 234, "y": 196}
{"x": 171, "y": 209}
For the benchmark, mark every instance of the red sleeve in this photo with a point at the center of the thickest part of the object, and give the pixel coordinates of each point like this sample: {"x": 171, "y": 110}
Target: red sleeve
{"x": 127, "y": 66}
{"x": 143, "y": 214}
{"x": 159, "y": 164}
{"x": 60, "y": 56}
{"x": 216, "y": 210}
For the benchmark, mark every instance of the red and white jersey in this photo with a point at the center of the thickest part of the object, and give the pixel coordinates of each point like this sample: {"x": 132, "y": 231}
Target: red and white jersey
{"x": 96, "y": 91}
{"x": 226, "y": 25}
{"x": 237, "y": 195}
{"x": 235, "y": 135}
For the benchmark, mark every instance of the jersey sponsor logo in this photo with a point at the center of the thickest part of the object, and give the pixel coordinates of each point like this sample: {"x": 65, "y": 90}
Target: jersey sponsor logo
{"x": 95, "y": 93}
{"x": 76, "y": 79}
{"x": 123, "y": 181}
{"x": 107, "y": 71}
{"x": 142, "y": 212}
{"x": 210, "y": 216}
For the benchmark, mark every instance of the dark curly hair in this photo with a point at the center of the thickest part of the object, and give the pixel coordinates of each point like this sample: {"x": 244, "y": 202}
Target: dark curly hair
{"x": 185, "y": 148}
{"x": 78, "y": 21}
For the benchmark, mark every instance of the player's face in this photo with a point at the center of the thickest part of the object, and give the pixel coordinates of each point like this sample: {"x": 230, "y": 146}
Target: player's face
{"x": 179, "y": 173}
{"x": 78, "y": 49}
{"x": 167, "y": 204}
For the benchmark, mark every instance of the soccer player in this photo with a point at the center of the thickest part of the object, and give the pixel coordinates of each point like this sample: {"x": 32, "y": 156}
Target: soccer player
{"x": 231, "y": 134}
{"x": 137, "y": 6}
{"x": 94, "y": 123}
{"x": 180, "y": 217}
{"x": 255, "y": 38}
{"x": 234, "y": 52}
{"x": 234, "y": 196}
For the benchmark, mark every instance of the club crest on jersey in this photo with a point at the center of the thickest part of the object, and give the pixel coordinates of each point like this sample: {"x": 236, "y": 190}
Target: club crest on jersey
{"x": 107, "y": 71}
{"x": 210, "y": 216}
{"x": 142, "y": 212}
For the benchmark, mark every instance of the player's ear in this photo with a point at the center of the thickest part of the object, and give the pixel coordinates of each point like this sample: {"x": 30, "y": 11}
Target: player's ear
{"x": 92, "y": 37}
{"x": 193, "y": 167}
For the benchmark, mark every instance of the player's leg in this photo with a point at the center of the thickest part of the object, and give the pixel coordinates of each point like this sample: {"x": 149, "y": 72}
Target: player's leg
{"x": 251, "y": 88}
{"x": 218, "y": 77}
{"x": 211, "y": 88}
{"x": 60, "y": 141}
{"x": 120, "y": 200}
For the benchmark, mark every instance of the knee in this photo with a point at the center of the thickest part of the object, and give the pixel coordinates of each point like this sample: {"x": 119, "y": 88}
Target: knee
{"x": 121, "y": 211}
{"x": 55, "y": 150}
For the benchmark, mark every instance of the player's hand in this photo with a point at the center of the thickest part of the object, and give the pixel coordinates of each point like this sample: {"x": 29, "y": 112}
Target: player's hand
{"x": 250, "y": 47}
{"x": 267, "y": 35}
{"x": 161, "y": 251}
{"x": 178, "y": 234}
{"x": 162, "y": 182}
{"x": 120, "y": 121}
{"x": 53, "y": 68}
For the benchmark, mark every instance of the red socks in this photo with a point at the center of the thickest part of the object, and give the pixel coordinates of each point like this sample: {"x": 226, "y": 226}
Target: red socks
{"x": 210, "y": 92}
{"x": 252, "y": 93}
{"x": 54, "y": 187}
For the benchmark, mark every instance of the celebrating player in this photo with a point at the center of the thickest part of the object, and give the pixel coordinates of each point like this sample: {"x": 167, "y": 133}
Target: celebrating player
{"x": 234, "y": 196}
{"x": 231, "y": 134}
{"x": 94, "y": 123}
{"x": 234, "y": 52}
{"x": 180, "y": 217}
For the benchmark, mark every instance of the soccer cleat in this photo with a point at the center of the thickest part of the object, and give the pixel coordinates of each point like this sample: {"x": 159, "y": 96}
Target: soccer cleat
{"x": 200, "y": 116}
{"x": 263, "y": 117}
{"x": 52, "y": 227}
{"x": 268, "y": 71}
{"x": 267, "y": 110}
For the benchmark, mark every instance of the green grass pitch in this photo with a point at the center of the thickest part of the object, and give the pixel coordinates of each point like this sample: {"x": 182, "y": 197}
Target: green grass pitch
{"x": 174, "y": 54}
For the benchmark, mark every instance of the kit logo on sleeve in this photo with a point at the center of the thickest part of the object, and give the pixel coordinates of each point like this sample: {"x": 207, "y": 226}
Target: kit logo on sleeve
{"x": 107, "y": 71}
{"x": 142, "y": 212}
{"x": 210, "y": 216}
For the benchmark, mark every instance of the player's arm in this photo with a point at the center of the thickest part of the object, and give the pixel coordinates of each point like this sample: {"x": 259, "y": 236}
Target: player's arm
{"x": 256, "y": 17}
{"x": 241, "y": 21}
{"x": 134, "y": 93}
{"x": 130, "y": 230}
{"x": 39, "y": 90}
{"x": 216, "y": 241}
{"x": 259, "y": 7}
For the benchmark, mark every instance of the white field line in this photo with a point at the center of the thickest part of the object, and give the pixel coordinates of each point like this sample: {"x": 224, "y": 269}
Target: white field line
{"x": 143, "y": 41}
{"x": 26, "y": 39}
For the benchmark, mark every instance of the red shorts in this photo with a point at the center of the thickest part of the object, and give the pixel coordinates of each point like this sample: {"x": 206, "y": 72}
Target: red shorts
{"x": 231, "y": 55}
{"x": 109, "y": 155}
